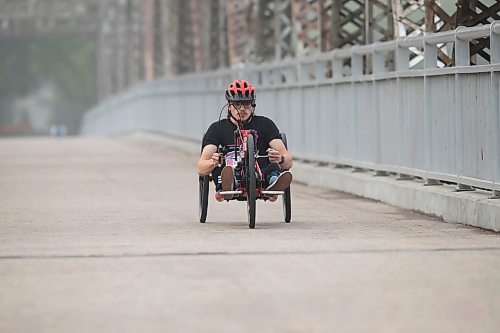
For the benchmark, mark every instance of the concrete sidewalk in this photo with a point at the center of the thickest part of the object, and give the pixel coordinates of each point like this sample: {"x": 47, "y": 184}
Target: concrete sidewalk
{"x": 101, "y": 234}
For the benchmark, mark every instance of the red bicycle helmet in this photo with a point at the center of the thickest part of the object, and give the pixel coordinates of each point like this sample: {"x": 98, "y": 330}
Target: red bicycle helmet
{"x": 240, "y": 91}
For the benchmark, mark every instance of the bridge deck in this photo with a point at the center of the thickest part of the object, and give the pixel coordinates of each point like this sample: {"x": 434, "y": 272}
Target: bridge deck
{"x": 102, "y": 235}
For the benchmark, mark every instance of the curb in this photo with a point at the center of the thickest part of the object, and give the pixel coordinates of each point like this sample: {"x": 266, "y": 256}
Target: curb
{"x": 470, "y": 208}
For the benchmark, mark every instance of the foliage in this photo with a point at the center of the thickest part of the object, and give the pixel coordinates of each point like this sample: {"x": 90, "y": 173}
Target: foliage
{"x": 67, "y": 62}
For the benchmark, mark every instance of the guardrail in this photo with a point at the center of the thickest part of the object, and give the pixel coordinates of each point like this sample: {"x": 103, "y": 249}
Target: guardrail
{"x": 440, "y": 124}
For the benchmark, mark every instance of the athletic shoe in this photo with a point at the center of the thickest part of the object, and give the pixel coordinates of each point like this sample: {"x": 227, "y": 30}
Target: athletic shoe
{"x": 271, "y": 178}
{"x": 227, "y": 177}
{"x": 281, "y": 183}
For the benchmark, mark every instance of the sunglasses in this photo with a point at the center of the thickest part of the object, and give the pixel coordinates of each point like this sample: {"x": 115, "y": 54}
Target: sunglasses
{"x": 239, "y": 105}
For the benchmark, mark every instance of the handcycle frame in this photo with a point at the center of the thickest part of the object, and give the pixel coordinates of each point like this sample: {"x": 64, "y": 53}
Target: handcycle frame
{"x": 249, "y": 177}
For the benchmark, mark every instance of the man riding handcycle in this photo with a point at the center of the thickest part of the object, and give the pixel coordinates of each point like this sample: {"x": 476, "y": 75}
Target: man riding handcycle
{"x": 245, "y": 155}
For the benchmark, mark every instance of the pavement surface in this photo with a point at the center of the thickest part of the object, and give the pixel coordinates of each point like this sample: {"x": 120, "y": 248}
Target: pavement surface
{"x": 101, "y": 235}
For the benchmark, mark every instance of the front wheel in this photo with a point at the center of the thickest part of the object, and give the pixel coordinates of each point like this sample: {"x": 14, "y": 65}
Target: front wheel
{"x": 251, "y": 181}
{"x": 203, "y": 197}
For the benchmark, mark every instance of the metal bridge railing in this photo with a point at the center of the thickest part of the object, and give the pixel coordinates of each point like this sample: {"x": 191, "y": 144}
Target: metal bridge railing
{"x": 362, "y": 106}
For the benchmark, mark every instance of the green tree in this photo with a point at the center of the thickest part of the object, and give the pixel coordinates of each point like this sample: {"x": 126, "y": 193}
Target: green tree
{"x": 69, "y": 63}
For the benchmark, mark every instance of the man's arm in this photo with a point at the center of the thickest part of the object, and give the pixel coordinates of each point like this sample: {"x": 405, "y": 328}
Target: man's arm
{"x": 276, "y": 150}
{"x": 209, "y": 159}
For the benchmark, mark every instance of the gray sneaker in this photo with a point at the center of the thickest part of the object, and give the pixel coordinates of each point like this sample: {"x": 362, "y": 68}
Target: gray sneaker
{"x": 281, "y": 182}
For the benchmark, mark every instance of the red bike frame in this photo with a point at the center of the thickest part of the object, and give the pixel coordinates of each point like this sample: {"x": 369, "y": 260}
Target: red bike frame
{"x": 241, "y": 141}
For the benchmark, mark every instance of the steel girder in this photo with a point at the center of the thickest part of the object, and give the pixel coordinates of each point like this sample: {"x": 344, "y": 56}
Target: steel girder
{"x": 273, "y": 33}
{"x": 264, "y": 34}
{"x": 190, "y": 37}
{"x": 116, "y": 25}
{"x": 105, "y": 70}
{"x": 283, "y": 30}
{"x": 133, "y": 43}
{"x": 327, "y": 24}
{"x": 215, "y": 35}
{"x": 197, "y": 13}
{"x": 348, "y": 22}
{"x": 185, "y": 59}
{"x": 415, "y": 17}
{"x": 22, "y": 18}
{"x": 177, "y": 37}
{"x": 474, "y": 12}
{"x": 171, "y": 31}
{"x": 150, "y": 38}
{"x": 119, "y": 56}
{"x": 239, "y": 14}
{"x": 305, "y": 18}
{"x": 379, "y": 24}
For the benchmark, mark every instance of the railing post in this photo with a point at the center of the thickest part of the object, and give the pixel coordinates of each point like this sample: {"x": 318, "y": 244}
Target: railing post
{"x": 378, "y": 61}
{"x": 320, "y": 69}
{"x": 254, "y": 77}
{"x": 462, "y": 59}
{"x": 430, "y": 62}
{"x": 462, "y": 51}
{"x": 356, "y": 71}
{"x": 291, "y": 73}
{"x": 268, "y": 76}
{"x": 336, "y": 73}
{"x": 495, "y": 104}
{"x": 402, "y": 55}
{"x": 356, "y": 63}
{"x": 277, "y": 78}
{"x": 402, "y": 58}
{"x": 337, "y": 64}
{"x": 303, "y": 72}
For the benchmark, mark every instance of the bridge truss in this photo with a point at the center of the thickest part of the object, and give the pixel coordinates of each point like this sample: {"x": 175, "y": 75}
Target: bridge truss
{"x": 144, "y": 39}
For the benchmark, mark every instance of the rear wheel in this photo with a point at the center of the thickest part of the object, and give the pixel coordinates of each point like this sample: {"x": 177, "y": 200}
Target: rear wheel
{"x": 203, "y": 197}
{"x": 287, "y": 197}
{"x": 251, "y": 181}
{"x": 287, "y": 205}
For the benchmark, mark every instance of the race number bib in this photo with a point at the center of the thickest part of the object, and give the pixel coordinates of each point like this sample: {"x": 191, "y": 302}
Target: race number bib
{"x": 231, "y": 160}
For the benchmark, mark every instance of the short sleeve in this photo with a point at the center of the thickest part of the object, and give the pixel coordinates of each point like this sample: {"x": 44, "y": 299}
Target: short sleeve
{"x": 273, "y": 131}
{"x": 211, "y": 136}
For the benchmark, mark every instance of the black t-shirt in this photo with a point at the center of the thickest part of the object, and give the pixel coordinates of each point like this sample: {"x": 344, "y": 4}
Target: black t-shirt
{"x": 222, "y": 133}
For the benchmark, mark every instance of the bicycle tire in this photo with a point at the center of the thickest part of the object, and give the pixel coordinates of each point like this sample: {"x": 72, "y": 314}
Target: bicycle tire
{"x": 203, "y": 197}
{"x": 287, "y": 196}
{"x": 251, "y": 181}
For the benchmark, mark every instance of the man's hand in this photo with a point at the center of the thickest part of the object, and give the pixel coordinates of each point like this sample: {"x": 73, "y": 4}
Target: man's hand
{"x": 209, "y": 159}
{"x": 215, "y": 159}
{"x": 274, "y": 155}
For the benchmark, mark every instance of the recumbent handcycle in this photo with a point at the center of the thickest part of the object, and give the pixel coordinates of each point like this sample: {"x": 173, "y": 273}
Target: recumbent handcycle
{"x": 249, "y": 178}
